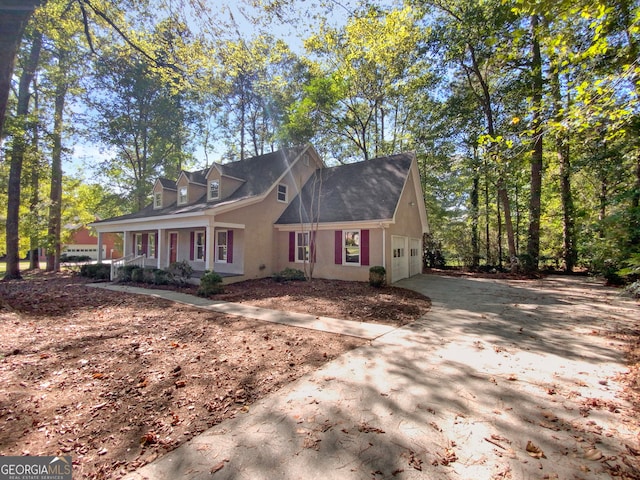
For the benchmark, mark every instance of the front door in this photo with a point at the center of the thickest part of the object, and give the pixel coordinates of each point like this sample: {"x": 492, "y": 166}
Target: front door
{"x": 173, "y": 247}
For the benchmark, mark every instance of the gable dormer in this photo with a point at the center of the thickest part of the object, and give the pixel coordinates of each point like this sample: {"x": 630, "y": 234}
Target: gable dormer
{"x": 220, "y": 184}
{"x": 164, "y": 193}
{"x": 190, "y": 187}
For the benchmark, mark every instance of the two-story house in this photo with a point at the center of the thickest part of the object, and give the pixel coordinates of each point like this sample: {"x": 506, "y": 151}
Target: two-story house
{"x": 254, "y": 217}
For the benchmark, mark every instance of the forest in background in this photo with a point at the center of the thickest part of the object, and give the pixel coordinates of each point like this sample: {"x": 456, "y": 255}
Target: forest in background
{"x": 523, "y": 114}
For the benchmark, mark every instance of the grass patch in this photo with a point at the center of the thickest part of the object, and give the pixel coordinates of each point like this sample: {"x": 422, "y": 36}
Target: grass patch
{"x": 24, "y": 265}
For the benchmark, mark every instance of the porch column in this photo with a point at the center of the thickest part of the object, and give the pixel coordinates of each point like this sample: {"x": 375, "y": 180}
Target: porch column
{"x": 159, "y": 248}
{"x": 209, "y": 255}
{"x": 125, "y": 243}
{"x": 100, "y": 247}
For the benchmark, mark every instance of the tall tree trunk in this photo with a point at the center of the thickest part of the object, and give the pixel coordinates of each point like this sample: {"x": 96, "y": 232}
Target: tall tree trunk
{"x": 602, "y": 198}
{"x": 55, "y": 210}
{"x": 17, "y": 157}
{"x": 563, "y": 152}
{"x": 633, "y": 50}
{"x": 34, "y": 241}
{"x": 475, "y": 212}
{"x": 486, "y": 214}
{"x": 533, "y": 239}
{"x": 486, "y": 103}
{"x": 508, "y": 225}
{"x": 499, "y": 214}
{"x": 14, "y": 15}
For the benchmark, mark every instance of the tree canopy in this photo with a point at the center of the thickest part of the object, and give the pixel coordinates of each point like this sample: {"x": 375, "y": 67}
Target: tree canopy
{"x": 523, "y": 113}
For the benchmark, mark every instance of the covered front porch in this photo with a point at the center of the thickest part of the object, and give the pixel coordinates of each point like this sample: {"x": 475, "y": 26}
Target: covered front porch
{"x": 203, "y": 244}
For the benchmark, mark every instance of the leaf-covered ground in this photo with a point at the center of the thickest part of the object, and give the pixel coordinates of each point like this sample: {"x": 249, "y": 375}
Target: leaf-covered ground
{"x": 116, "y": 380}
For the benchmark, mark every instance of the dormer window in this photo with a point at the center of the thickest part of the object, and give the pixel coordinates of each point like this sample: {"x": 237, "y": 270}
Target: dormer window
{"x": 214, "y": 189}
{"x": 182, "y": 196}
{"x": 157, "y": 200}
{"x": 282, "y": 193}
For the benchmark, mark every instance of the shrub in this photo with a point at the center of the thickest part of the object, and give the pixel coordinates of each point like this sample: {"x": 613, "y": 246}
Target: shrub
{"x": 377, "y": 276}
{"x": 97, "y": 271}
{"x": 289, "y": 275}
{"x": 180, "y": 272}
{"x": 125, "y": 273}
{"x": 161, "y": 277}
{"x": 74, "y": 258}
{"x": 137, "y": 275}
{"x": 210, "y": 284}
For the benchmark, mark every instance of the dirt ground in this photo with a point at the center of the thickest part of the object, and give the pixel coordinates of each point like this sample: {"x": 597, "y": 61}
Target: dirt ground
{"x": 115, "y": 381}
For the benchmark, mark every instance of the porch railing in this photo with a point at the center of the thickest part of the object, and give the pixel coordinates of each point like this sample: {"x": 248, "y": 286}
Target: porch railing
{"x": 132, "y": 259}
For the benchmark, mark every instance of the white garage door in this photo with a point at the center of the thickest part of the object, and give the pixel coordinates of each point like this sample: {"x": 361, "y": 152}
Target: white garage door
{"x": 415, "y": 259}
{"x": 400, "y": 262}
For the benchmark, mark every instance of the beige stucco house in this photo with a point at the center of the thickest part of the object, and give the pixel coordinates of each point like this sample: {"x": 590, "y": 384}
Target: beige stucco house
{"x": 252, "y": 218}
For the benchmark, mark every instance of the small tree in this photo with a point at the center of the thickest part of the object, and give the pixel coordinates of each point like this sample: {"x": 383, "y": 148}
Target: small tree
{"x": 313, "y": 217}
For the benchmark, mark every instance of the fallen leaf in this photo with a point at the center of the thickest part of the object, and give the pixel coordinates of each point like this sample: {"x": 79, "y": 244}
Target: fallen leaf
{"x": 149, "y": 438}
{"x": 593, "y": 454}
{"x": 365, "y": 428}
{"x": 219, "y": 466}
{"x": 534, "y": 451}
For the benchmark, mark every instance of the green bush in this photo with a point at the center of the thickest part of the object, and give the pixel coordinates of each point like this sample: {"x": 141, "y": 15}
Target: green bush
{"x": 377, "y": 276}
{"x": 210, "y": 284}
{"x": 74, "y": 258}
{"x": 137, "y": 275}
{"x": 125, "y": 273}
{"x": 97, "y": 271}
{"x": 289, "y": 275}
{"x": 180, "y": 272}
{"x": 161, "y": 277}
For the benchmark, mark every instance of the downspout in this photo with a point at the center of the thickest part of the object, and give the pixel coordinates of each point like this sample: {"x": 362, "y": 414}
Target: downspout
{"x": 384, "y": 245}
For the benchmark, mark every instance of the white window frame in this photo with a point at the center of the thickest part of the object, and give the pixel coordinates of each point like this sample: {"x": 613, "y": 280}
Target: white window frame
{"x": 303, "y": 247}
{"x": 211, "y": 197}
{"x": 284, "y": 193}
{"x": 157, "y": 200}
{"x": 225, "y": 246}
{"x": 199, "y": 245}
{"x": 344, "y": 247}
{"x": 183, "y": 198}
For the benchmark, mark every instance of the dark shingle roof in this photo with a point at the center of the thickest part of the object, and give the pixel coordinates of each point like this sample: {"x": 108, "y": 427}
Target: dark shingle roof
{"x": 259, "y": 175}
{"x": 166, "y": 183}
{"x": 361, "y": 191}
{"x": 197, "y": 177}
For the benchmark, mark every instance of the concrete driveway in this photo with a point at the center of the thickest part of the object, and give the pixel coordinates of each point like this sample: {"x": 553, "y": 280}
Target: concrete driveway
{"x": 502, "y": 379}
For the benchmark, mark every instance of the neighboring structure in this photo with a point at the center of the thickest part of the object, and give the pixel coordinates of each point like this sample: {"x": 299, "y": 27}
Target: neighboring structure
{"x": 84, "y": 243}
{"x": 255, "y": 217}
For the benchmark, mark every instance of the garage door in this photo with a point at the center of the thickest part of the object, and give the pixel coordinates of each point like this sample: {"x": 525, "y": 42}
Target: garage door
{"x": 415, "y": 259}
{"x": 400, "y": 262}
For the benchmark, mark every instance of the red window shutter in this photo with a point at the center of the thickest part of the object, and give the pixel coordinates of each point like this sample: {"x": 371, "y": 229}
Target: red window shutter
{"x": 157, "y": 254}
{"x": 191, "y": 244}
{"x": 292, "y": 246}
{"x": 204, "y": 246}
{"x": 145, "y": 243}
{"x": 338, "y": 248}
{"x": 313, "y": 247}
{"x": 230, "y": 246}
{"x": 364, "y": 247}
